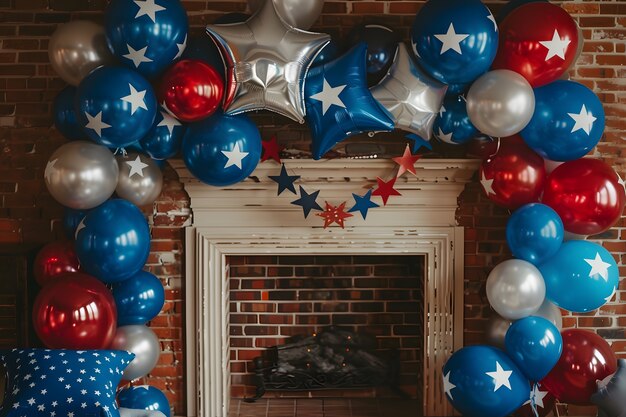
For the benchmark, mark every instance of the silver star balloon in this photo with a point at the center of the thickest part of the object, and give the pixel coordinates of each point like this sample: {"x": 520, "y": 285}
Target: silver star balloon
{"x": 412, "y": 97}
{"x": 267, "y": 62}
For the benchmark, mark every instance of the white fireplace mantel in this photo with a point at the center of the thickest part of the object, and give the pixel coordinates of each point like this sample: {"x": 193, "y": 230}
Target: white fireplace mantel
{"x": 249, "y": 219}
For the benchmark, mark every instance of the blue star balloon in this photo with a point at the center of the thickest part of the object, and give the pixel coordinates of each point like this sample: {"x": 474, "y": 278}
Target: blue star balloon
{"x": 567, "y": 123}
{"x": 222, "y": 150}
{"x": 483, "y": 381}
{"x": 63, "y": 383}
{"x": 65, "y": 119}
{"x": 144, "y": 397}
{"x": 339, "y": 104}
{"x": 285, "y": 181}
{"x": 113, "y": 241}
{"x": 307, "y": 201}
{"x": 453, "y": 125}
{"x": 455, "y": 41}
{"x": 138, "y": 299}
{"x": 363, "y": 204}
{"x": 146, "y": 35}
{"x": 582, "y": 276}
{"x": 116, "y": 106}
{"x": 163, "y": 141}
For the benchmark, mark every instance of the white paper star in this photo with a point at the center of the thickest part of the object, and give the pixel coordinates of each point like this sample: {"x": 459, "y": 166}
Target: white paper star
{"x": 234, "y": 157}
{"x": 148, "y": 8}
{"x": 136, "y": 99}
{"x": 493, "y": 19}
{"x": 169, "y": 121}
{"x": 49, "y": 169}
{"x": 137, "y": 56}
{"x": 500, "y": 377}
{"x": 447, "y": 385}
{"x": 537, "y": 395}
{"x": 136, "y": 167}
{"x": 329, "y": 96}
{"x": 583, "y": 120}
{"x": 487, "y": 185}
{"x": 181, "y": 48}
{"x": 96, "y": 124}
{"x": 556, "y": 46}
{"x": 599, "y": 267}
{"x": 451, "y": 40}
{"x": 445, "y": 137}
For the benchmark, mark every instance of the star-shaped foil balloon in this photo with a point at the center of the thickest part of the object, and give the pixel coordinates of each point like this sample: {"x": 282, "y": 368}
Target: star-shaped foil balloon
{"x": 411, "y": 96}
{"x": 267, "y": 62}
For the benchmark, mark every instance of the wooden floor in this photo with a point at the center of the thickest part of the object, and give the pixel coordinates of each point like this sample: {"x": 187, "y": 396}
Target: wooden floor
{"x": 325, "y": 407}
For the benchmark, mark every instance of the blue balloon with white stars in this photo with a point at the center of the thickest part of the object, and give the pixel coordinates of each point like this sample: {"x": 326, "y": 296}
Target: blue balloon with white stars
{"x": 144, "y": 397}
{"x": 222, "y": 150}
{"x": 482, "y": 381}
{"x": 339, "y": 103}
{"x": 138, "y": 299}
{"x": 568, "y": 121}
{"x": 455, "y": 41}
{"x": 163, "y": 141}
{"x": 65, "y": 119}
{"x": 582, "y": 276}
{"x": 146, "y": 35}
{"x": 116, "y": 106}
{"x": 453, "y": 125}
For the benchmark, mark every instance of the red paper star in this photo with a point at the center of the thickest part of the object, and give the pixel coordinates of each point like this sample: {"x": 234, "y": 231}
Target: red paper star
{"x": 334, "y": 214}
{"x": 406, "y": 162}
{"x": 271, "y": 150}
{"x": 385, "y": 189}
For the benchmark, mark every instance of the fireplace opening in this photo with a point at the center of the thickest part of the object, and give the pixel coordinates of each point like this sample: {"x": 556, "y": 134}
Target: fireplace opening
{"x": 274, "y": 299}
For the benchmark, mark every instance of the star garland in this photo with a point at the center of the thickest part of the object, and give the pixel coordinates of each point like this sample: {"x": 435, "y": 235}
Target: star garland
{"x": 337, "y": 214}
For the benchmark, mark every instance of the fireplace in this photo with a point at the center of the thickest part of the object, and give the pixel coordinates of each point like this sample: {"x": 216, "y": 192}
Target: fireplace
{"x": 248, "y": 220}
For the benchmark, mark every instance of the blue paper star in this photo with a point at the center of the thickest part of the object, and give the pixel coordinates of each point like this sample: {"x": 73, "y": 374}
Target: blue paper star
{"x": 363, "y": 204}
{"x": 418, "y": 143}
{"x": 307, "y": 202}
{"x": 284, "y": 181}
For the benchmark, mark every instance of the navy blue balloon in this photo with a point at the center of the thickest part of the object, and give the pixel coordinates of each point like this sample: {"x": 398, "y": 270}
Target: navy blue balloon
{"x": 71, "y": 220}
{"x": 567, "y": 123}
{"x": 582, "y": 276}
{"x": 222, "y": 150}
{"x": 65, "y": 119}
{"x": 339, "y": 103}
{"x": 116, "y": 106}
{"x": 483, "y": 381}
{"x": 512, "y": 5}
{"x": 456, "y": 40}
{"x": 144, "y": 397}
{"x": 453, "y": 125}
{"x": 165, "y": 138}
{"x": 327, "y": 54}
{"x": 202, "y": 48}
{"x": 113, "y": 241}
{"x": 146, "y": 36}
{"x": 535, "y": 345}
{"x": 138, "y": 299}
{"x": 382, "y": 43}
{"x": 534, "y": 233}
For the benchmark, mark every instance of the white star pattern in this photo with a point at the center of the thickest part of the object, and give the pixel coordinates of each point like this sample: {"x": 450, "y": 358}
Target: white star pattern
{"x": 70, "y": 414}
{"x": 500, "y": 377}
{"x": 96, "y": 124}
{"x": 235, "y": 157}
{"x": 137, "y": 56}
{"x": 136, "y": 168}
{"x": 583, "y": 120}
{"x": 16, "y": 405}
{"x": 181, "y": 48}
{"x": 447, "y": 385}
{"x": 136, "y": 99}
{"x": 31, "y": 401}
{"x": 599, "y": 267}
{"x": 169, "y": 121}
{"x": 487, "y": 185}
{"x": 148, "y": 8}
{"x": 445, "y": 137}
{"x": 70, "y": 400}
{"x": 556, "y": 46}
{"x": 329, "y": 96}
{"x": 537, "y": 395}
{"x": 493, "y": 20}
{"x": 451, "y": 40}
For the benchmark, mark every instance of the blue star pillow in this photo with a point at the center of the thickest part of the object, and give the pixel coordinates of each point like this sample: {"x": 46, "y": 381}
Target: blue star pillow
{"x": 62, "y": 383}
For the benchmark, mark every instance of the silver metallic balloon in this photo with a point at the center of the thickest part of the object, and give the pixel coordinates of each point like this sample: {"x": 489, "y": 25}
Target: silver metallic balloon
{"x": 412, "y": 97}
{"x": 496, "y": 329}
{"x": 267, "y": 63}
{"x": 76, "y": 48}
{"x": 140, "y": 180}
{"x": 301, "y": 14}
{"x": 81, "y": 175}
{"x": 141, "y": 341}
{"x": 550, "y": 312}
{"x": 129, "y": 412}
{"x": 515, "y": 289}
{"x": 500, "y": 103}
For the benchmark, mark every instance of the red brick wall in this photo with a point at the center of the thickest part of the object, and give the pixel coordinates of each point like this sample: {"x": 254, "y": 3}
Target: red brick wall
{"x": 28, "y": 213}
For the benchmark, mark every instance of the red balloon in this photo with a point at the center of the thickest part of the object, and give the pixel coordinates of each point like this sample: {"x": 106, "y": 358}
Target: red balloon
{"x": 538, "y": 40}
{"x": 586, "y": 358}
{"x": 587, "y": 195}
{"x": 75, "y": 311}
{"x": 54, "y": 259}
{"x": 514, "y": 176}
{"x": 544, "y": 403}
{"x": 191, "y": 90}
